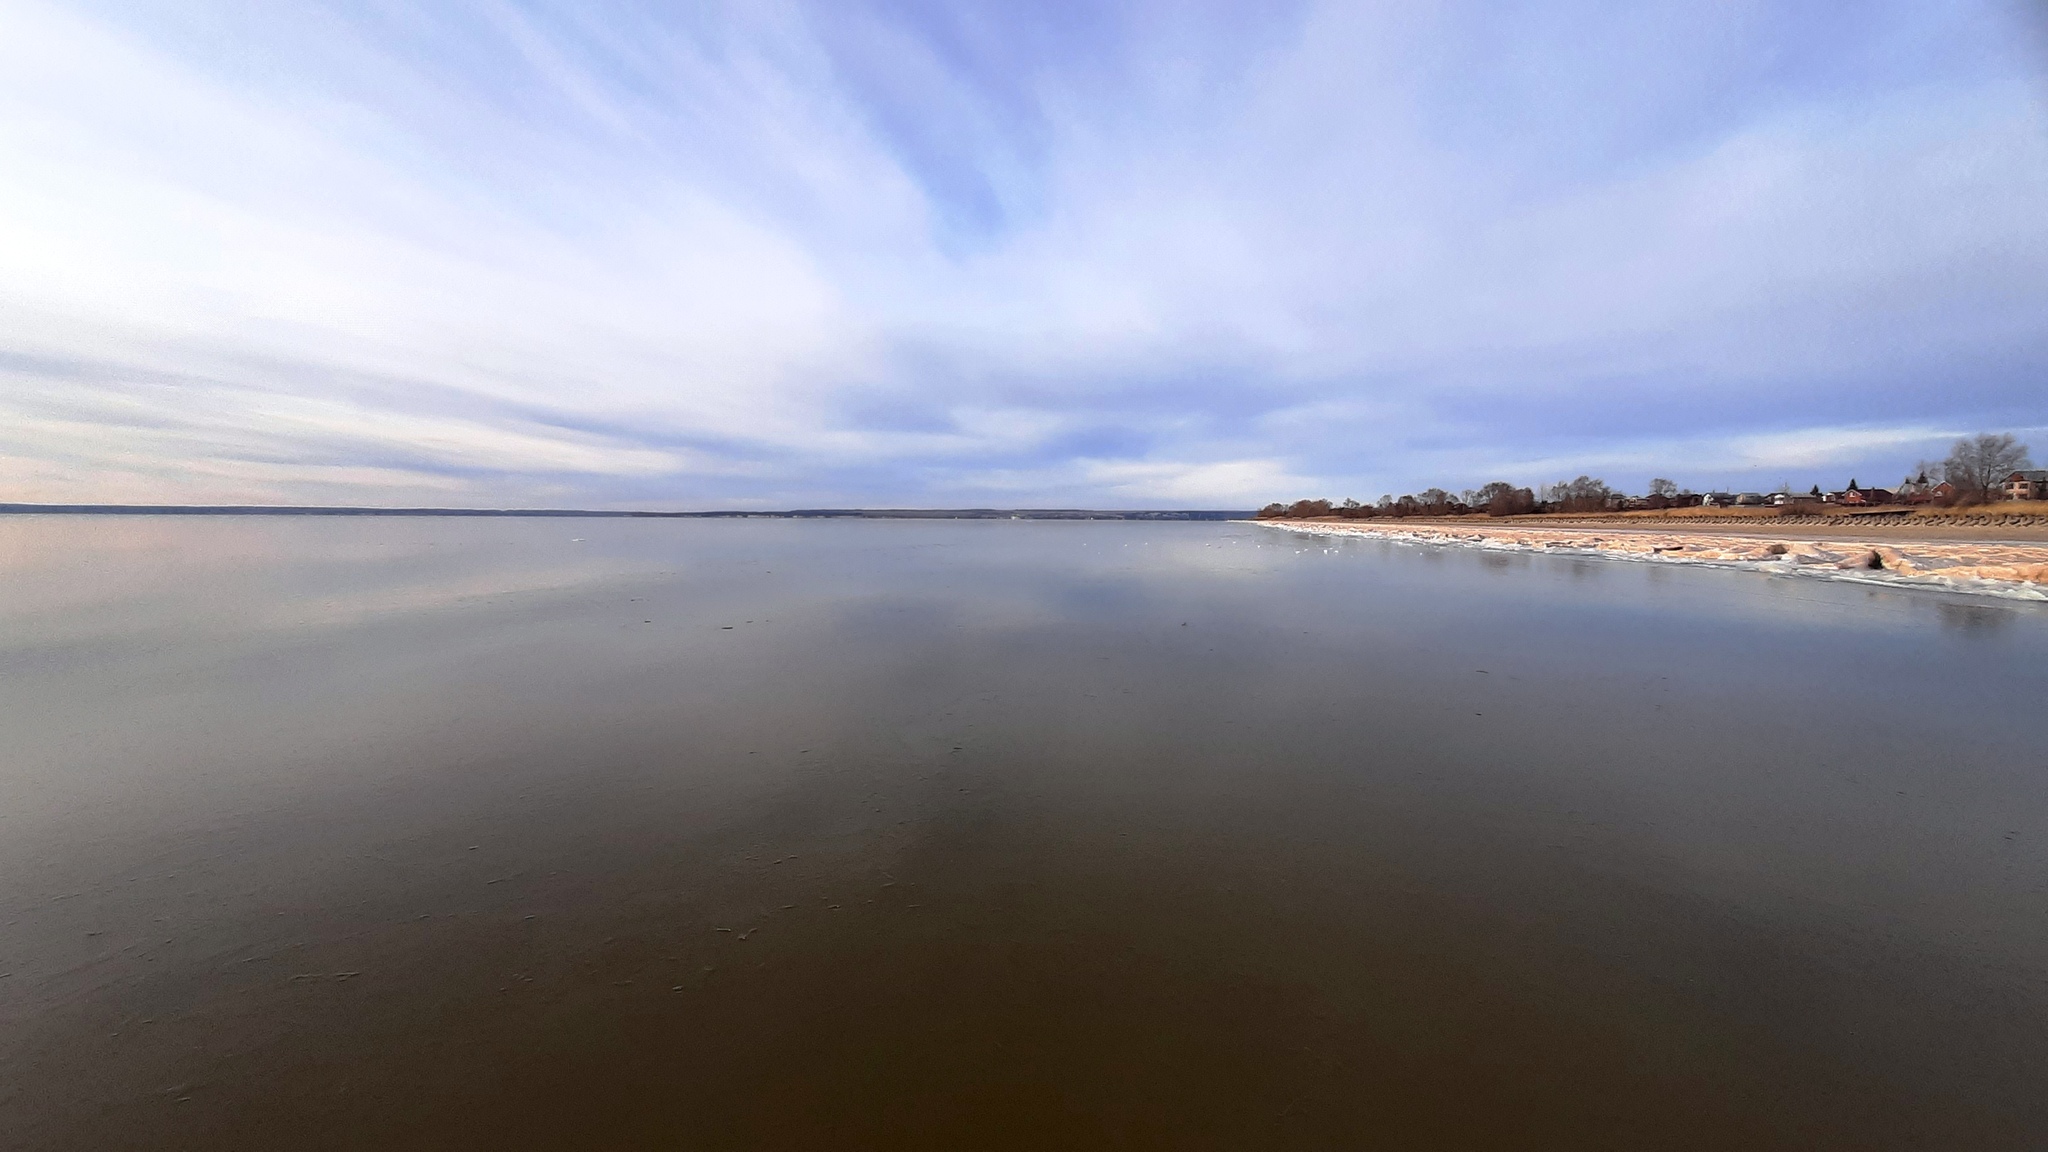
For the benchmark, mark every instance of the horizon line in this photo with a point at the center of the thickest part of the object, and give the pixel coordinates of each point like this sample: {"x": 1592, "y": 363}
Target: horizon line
{"x": 34, "y": 509}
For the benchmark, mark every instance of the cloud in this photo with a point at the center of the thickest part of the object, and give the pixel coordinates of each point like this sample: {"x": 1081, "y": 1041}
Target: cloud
{"x": 747, "y": 255}
{"x": 1230, "y": 483}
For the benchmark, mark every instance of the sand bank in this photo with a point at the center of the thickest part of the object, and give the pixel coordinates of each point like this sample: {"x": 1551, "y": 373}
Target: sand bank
{"x": 2007, "y": 569}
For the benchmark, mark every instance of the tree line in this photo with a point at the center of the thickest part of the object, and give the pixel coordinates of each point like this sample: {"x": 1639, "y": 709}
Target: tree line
{"x": 1499, "y": 498}
{"x": 1974, "y": 471}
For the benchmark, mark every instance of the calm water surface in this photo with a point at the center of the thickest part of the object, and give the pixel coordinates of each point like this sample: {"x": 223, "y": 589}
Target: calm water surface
{"x": 768, "y": 834}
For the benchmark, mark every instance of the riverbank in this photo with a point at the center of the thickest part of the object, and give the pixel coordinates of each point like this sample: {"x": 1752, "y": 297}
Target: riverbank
{"x": 2010, "y": 561}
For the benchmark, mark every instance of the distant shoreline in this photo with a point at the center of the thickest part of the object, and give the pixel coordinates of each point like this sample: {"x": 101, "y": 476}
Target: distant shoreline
{"x": 1985, "y": 524}
{"x": 602, "y": 513}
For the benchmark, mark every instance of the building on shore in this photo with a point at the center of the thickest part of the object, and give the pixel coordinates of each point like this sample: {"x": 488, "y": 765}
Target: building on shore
{"x": 2027, "y": 484}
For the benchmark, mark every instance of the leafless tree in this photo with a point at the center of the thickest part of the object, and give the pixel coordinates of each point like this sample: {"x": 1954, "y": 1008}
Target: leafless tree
{"x": 1662, "y": 487}
{"x": 1509, "y": 501}
{"x": 1489, "y": 493}
{"x": 1584, "y": 494}
{"x": 1978, "y": 465}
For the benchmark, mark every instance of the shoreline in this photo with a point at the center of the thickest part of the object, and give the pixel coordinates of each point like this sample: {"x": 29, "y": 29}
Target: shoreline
{"x": 1974, "y": 526}
{"x": 2014, "y": 569}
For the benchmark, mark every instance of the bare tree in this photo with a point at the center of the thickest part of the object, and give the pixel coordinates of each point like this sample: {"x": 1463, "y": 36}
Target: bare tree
{"x": 1510, "y": 501}
{"x": 1978, "y": 465}
{"x": 1501, "y": 498}
{"x": 1663, "y": 487}
{"x": 1584, "y": 494}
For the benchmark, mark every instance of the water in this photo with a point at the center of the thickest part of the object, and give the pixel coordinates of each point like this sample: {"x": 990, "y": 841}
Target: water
{"x": 770, "y": 834}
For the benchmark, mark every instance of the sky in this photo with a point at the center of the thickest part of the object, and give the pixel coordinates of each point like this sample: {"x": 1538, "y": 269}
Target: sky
{"x": 610, "y": 253}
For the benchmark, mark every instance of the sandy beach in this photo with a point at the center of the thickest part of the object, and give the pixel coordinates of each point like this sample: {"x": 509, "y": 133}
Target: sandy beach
{"x": 1958, "y": 525}
{"x": 2004, "y": 560}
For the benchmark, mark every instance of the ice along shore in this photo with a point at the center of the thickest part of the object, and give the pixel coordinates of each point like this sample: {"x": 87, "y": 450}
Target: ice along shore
{"x": 2011, "y": 570}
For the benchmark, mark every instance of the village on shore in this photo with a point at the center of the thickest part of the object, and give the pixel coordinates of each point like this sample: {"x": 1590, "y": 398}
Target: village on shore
{"x": 1990, "y": 469}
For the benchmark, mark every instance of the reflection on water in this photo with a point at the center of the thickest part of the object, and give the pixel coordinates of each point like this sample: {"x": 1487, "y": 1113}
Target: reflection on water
{"x": 425, "y": 833}
{"x": 1975, "y": 618}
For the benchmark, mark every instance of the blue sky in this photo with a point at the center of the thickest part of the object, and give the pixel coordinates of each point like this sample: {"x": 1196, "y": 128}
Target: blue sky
{"x": 920, "y": 253}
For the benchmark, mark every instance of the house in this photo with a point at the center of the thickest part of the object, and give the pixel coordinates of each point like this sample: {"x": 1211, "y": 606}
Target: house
{"x": 1916, "y": 490}
{"x": 1749, "y": 498}
{"x": 1718, "y": 499}
{"x": 1865, "y": 497}
{"x": 2027, "y": 484}
{"x": 1943, "y": 493}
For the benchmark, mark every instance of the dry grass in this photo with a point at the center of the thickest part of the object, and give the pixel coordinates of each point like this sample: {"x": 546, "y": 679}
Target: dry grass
{"x": 1835, "y": 514}
{"x": 2014, "y": 521}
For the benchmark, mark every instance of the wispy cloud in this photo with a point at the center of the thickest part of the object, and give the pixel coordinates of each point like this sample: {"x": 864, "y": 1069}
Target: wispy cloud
{"x": 503, "y": 252}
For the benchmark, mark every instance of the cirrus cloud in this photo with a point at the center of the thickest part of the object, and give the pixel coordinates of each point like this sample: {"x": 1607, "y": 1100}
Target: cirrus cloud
{"x": 906, "y": 253}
